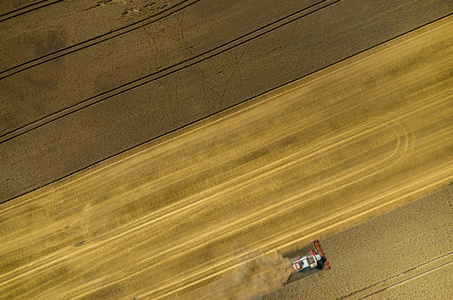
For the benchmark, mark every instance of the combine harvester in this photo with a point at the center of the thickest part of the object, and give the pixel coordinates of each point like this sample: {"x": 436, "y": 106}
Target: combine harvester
{"x": 312, "y": 260}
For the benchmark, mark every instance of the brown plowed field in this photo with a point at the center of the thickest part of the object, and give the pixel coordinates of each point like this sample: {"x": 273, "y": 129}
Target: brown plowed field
{"x": 205, "y": 211}
{"x": 81, "y": 81}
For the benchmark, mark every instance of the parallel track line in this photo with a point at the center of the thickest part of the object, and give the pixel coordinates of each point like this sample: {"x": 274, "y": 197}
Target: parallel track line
{"x": 26, "y": 9}
{"x": 164, "y": 72}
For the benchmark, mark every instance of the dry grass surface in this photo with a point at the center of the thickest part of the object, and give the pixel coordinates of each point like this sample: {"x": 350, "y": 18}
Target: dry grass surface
{"x": 185, "y": 214}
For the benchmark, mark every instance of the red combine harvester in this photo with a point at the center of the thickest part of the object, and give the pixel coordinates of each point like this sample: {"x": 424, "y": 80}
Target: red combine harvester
{"x": 314, "y": 259}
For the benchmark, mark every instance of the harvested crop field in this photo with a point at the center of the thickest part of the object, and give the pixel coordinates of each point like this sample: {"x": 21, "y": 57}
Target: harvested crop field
{"x": 151, "y": 157}
{"x": 207, "y": 210}
{"x": 404, "y": 254}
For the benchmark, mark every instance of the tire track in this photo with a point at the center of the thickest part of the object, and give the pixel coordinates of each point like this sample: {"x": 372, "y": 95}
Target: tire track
{"x": 98, "y": 39}
{"x": 434, "y": 261}
{"x": 26, "y": 9}
{"x": 409, "y": 279}
{"x": 168, "y": 70}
